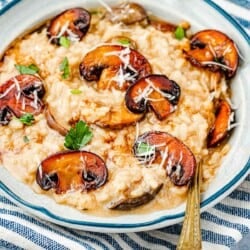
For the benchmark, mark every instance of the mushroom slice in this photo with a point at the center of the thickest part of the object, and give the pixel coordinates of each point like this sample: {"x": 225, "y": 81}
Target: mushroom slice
{"x": 174, "y": 155}
{"x": 124, "y": 41}
{"x": 71, "y": 171}
{"x": 53, "y": 123}
{"x": 214, "y": 50}
{"x": 19, "y": 95}
{"x": 127, "y": 13}
{"x": 161, "y": 25}
{"x": 119, "y": 117}
{"x": 156, "y": 91}
{"x": 221, "y": 126}
{"x": 72, "y": 23}
{"x": 133, "y": 202}
{"x": 114, "y": 66}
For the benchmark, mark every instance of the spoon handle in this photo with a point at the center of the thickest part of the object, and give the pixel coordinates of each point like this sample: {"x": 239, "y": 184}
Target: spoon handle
{"x": 190, "y": 237}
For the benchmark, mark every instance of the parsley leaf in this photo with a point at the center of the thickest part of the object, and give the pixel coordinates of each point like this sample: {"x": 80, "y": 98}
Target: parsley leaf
{"x": 179, "y": 33}
{"x": 64, "y": 41}
{"x": 64, "y": 68}
{"x": 144, "y": 149}
{"x": 124, "y": 41}
{"x": 78, "y": 136}
{"x": 26, "y": 139}
{"x": 31, "y": 69}
{"x": 27, "y": 119}
{"x": 75, "y": 91}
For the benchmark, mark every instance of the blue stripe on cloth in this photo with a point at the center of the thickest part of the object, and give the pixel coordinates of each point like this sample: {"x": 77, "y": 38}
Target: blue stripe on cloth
{"x": 219, "y": 239}
{"x": 109, "y": 239}
{"x": 32, "y": 235}
{"x": 242, "y": 3}
{"x": 89, "y": 239}
{"x": 50, "y": 228}
{"x": 153, "y": 240}
{"x": 243, "y": 21}
{"x": 211, "y": 217}
{"x": 130, "y": 242}
{"x": 8, "y": 245}
{"x": 240, "y": 212}
{"x": 7, "y": 201}
{"x": 175, "y": 229}
{"x": 240, "y": 195}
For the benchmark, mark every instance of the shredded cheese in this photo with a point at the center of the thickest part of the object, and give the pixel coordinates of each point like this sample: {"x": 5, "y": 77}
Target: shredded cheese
{"x": 167, "y": 95}
{"x": 217, "y": 64}
{"x": 34, "y": 104}
{"x": 18, "y": 94}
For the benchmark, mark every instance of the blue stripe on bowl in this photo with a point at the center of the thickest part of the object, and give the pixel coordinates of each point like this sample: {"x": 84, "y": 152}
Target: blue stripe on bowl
{"x": 7, "y": 5}
{"x": 206, "y": 202}
{"x": 124, "y": 225}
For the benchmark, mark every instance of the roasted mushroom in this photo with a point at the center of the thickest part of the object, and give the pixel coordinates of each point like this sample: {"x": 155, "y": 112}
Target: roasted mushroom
{"x": 174, "y": 155}
{"x": 19, "y": 95}
{"x": 214, "y": 50}
{"x": 124, "y": 41}
{"x": 114, "y": 66}
{"x": 224, "y": 118}
{"x": 161, "y": 25}
{"x": 72, "y": 23}
{"x": 156, "y": 91}
{"x": 127, "y": 13}
{"x": 71, "y": 171}
{"x": 53, "y": 123}
{"x": 133, "y": 202}
{"x": 118, "y": 117}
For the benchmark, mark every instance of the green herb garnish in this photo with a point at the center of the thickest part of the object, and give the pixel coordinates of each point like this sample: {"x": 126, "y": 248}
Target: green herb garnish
{"x": 27, "y": 119}
{"x": 26, "y": 139}
{"x": 31, "y": 69}
{"x": 64, "y": 68}
{"x": 124, "y": 41}
{"x": 179, "y": 33}
{"x": 78, "y": 136}
{"x": 75, "y": 91}
{"x": 94, "y": 12}
{"x": 144, "y": 149}
{"x": 64, "y": 41}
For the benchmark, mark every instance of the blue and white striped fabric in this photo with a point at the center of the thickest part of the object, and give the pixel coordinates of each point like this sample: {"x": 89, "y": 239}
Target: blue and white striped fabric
{"x": 222, "y": 226}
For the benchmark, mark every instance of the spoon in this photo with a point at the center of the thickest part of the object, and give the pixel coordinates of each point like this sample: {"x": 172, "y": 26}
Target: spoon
{"x": 190, "y": 238}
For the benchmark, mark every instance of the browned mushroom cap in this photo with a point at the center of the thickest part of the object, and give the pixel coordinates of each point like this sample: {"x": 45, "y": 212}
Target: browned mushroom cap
{"x": 124, "y": 41}
{"x": 71, "y": 171}
{"x": 114, "y": 66}
{"x": 127, "y": 13}
{"x": 221, "y": 127}
{"x": 19, "y": 95}
{"x": 157, "y": 91}
{"x": 53, "y": 123}
{"x": 73, "y": 24}
{"x": 214, "y": 50}
{"x": 175, "y": 156}
{"x": 133, "y": 202}
{"x": 161, "y": 25}
{"x": 119, "y": 117}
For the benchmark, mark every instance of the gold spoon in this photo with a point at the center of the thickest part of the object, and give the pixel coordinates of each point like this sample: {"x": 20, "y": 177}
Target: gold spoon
{"x": 190, "y": 238}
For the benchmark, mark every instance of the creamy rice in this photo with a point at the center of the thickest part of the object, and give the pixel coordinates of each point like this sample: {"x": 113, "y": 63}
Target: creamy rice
{"x": 190, "y": 122}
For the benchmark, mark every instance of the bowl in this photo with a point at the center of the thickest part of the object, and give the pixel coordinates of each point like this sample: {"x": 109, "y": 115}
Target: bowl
{"x": 29, "y": 14}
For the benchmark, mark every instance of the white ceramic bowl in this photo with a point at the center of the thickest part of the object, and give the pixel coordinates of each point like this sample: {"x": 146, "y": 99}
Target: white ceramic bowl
{"x": 25, "y": 14}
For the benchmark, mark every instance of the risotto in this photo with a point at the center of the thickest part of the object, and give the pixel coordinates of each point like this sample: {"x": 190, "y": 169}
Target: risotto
{"x": 109, "y": 111}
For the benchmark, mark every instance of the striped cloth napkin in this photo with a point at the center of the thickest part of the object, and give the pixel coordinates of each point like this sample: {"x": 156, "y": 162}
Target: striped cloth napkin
{"x": 222, "y": 226}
